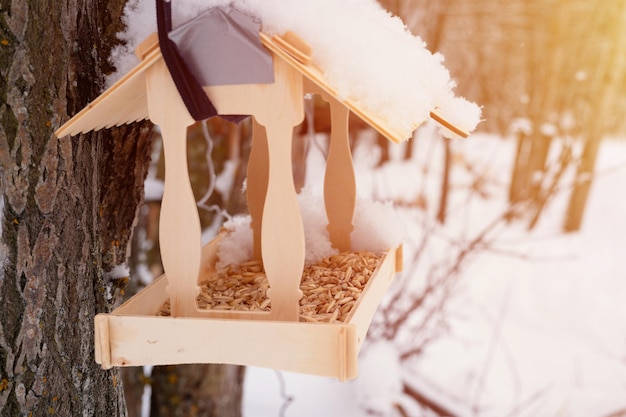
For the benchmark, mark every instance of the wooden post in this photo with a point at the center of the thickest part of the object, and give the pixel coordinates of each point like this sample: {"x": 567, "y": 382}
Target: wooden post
{"x": 179, "y": 224}
{"x": 258, "y": 172}
{"x": 339, "y": 179}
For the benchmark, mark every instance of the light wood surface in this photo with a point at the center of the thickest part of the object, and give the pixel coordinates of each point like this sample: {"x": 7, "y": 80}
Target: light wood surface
{"x": 256, "y": 183}
{"x": 339, "y": 179}
{"x": 445, "y": 123}
{"x": 367, "y": 304}
{"x": 179, "y": 223}
{"x": 316, "y": 349}
{"x": 295, "y": 46}
{"x": 278, "y": 107}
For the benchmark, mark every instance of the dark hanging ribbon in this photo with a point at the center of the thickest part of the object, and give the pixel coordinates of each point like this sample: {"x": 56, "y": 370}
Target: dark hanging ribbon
{"x": 194, "y": 97}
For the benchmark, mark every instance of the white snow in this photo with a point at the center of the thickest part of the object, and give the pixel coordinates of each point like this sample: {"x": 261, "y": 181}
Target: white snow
{"x": 118, "y": 272}
{"x": 153, "y": 189}
{"x": 379, "y": 386}
{"x": 224, "y": 182}
{"x": 236, "y": 247}
{"x": 367, "y": 55}
{"x": 377, "y": 227}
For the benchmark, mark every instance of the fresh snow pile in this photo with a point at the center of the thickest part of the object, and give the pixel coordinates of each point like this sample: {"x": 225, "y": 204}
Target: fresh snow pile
{"x": 153, "y": 189}
{"x": 376, "y": 228}
{"x": 367, "y": 55}
{"x": 118, "y": 272}
{"x": 379, "y": 386}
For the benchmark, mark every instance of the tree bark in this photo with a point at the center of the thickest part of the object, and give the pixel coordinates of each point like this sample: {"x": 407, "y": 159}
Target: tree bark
{"x": 69, "y": 207}
{"x": 197, "y": 390}
{"x": 608, "y": 79}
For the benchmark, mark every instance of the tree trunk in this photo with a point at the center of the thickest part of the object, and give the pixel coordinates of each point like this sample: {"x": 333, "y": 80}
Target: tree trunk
{"x": 609, "y": 78}
{"x": 518, "y": 187}
{"x": 197, "y": 390}
{"x": 69, "y": 208}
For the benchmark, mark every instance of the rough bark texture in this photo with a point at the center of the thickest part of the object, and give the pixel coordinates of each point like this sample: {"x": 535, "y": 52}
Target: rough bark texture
{"x": 69, "y": 207}
{"x": 197, "y": 390}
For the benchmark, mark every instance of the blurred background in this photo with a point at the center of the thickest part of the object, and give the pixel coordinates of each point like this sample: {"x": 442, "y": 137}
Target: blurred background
{"x": 512, "y": 298}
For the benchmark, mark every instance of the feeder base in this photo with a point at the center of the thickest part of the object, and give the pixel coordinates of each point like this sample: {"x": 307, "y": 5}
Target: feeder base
{"x": 133, "y": 335}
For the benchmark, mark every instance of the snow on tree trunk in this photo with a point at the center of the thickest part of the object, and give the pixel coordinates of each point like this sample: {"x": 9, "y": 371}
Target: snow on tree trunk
{"x": 69, "y": 208}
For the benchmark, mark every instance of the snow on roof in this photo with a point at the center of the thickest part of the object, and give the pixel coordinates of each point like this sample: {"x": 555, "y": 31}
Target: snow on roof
{"x": 368, "y": 55}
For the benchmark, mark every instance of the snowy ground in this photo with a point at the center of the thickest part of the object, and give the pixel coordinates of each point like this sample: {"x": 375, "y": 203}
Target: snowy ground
{"x": 541, "y": 334}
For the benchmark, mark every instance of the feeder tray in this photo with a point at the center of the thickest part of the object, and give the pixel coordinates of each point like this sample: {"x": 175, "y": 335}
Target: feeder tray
{"x": 133, "y": 334}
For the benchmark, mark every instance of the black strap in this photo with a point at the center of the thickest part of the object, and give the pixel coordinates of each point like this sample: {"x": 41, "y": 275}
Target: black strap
{"x": 195, "y": 99}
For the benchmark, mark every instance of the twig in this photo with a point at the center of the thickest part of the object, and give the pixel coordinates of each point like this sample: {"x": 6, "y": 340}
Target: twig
{"x": 209, "y": 160}
{"x": 618, "y": 413}
{"x": 287, "y": 399}
{"x": 202, "y": 203}
{"x": 427, "y": 402}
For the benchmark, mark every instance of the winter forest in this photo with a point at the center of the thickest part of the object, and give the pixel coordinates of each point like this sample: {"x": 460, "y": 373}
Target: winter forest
{"x": 510, "y": 302}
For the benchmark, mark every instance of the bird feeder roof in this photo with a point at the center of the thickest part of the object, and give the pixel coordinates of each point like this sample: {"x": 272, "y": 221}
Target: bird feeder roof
{"x": 239, "y": 52}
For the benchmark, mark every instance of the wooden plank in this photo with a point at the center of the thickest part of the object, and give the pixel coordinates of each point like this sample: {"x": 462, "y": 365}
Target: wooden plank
{"x": 257, "y": 177}
{"x": 277, "y": 107}
{"x": 339, "y": 179}
{"x": 148, "y": 45}
{"x": 445, "y": 123}
{"x": 294, "y": 45}
{"x": 318, "y": 349}
{"x": 376, "y": 288}
{"x": 102, "y": 348}
{"x": 179, "y": 223}
{"x": 399, "y": 259}
{"x": 148, "y": 301}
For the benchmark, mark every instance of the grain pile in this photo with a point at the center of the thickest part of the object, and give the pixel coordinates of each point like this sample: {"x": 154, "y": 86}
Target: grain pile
{"x": 330, "y": 287}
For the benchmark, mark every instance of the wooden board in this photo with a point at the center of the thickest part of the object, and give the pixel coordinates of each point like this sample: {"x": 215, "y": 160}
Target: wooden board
{"x": 364, "y": 309}
{"x": 317, "y": 349}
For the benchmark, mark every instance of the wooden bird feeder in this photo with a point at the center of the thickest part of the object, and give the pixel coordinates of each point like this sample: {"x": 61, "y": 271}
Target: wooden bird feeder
{"x": 133, "y": 334}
